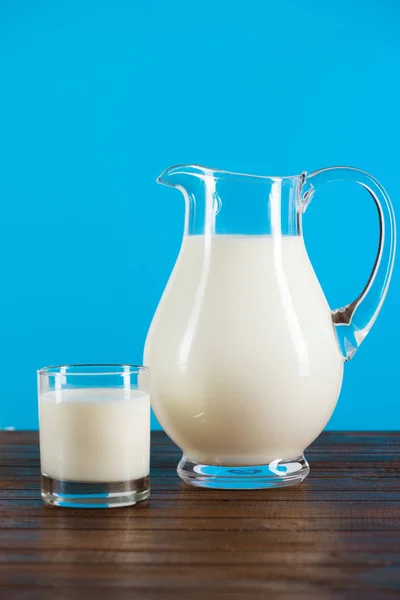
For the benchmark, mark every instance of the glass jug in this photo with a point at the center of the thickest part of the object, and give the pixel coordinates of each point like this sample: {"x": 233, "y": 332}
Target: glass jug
{"x": 245, "y": 354}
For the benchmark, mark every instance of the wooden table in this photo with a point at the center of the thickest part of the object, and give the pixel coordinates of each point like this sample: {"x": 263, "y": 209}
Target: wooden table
{"x": 337, "y": 535}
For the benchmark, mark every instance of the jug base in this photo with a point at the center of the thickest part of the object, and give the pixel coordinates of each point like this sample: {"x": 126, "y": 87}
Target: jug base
{"x": 278, "y": 473}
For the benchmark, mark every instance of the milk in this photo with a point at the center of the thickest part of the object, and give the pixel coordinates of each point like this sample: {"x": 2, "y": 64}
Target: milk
{"x": 245, "y": 363}
{"x": 95, "y": 435}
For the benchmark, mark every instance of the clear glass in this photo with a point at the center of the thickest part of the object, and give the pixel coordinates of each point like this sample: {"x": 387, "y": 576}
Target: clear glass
{"x": 219, "y": 202}
{"x": 94, "y": 423}
{"x": 246, "y": 354}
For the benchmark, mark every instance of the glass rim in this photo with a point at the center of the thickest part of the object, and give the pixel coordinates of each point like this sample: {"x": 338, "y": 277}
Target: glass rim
{"x": 89, "y": 369}
{"x": 210, "y": 172}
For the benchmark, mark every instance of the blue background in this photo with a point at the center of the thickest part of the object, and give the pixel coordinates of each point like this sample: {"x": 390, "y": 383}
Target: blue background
{"x": 97, "y": 98}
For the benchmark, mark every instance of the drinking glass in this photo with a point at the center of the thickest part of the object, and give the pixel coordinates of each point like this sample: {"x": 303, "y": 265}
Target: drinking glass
{"x": 94, "y": 435}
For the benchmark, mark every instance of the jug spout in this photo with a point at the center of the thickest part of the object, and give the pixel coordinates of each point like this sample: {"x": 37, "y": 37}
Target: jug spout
{"x": 178, "y": 175}
{"x": 198, "y": 187}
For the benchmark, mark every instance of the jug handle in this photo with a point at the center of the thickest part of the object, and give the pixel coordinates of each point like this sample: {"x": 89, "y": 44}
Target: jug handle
{"x": 353, "y": 321}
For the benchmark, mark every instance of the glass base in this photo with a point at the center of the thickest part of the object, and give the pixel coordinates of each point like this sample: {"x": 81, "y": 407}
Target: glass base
{"x": 71, "y": 494}
{"x": 278, "y": 473}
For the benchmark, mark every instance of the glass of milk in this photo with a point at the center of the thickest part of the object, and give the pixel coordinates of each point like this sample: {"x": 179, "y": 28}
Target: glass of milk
{"x": 94, "y": 435}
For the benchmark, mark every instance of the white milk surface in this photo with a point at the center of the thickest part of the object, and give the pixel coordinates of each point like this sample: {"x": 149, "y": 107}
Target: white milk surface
{"x": 245, "y": 363}
{"x": 95, "y": 435}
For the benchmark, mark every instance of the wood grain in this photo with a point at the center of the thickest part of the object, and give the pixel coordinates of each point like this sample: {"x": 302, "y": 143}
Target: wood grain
{"x": 337, "y": 535}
